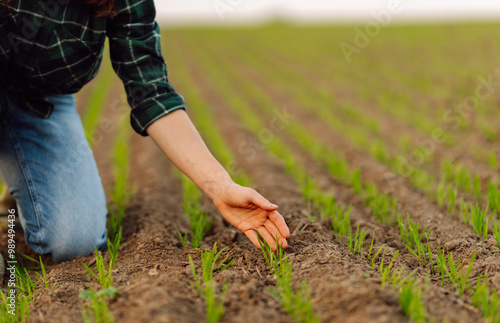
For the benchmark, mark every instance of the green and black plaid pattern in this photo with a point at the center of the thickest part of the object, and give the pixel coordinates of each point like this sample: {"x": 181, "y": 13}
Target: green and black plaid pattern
{"x": 56, "y": 46}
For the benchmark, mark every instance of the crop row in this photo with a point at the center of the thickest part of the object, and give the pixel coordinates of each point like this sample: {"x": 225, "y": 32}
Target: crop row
{"x": 96, "y": 301}
{"x": 201, "y": 111}
{"x": 326, "y": 203}
{"x": 447, "y": 270}
{"x": 455, "y": 175}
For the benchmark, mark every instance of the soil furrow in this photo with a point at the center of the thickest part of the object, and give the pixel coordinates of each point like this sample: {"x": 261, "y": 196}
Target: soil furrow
{"x": 419, "y": 208}
{"x": 301, "y": 245}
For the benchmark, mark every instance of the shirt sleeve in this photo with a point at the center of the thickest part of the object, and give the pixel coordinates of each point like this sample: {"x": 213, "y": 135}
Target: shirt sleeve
{"x": 135, "y": 49}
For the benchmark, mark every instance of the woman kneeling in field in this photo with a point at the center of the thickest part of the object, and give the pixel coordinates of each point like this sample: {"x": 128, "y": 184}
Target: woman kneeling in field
{"x": 50, "y": 50}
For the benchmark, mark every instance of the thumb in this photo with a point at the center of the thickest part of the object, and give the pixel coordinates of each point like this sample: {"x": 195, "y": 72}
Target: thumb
{"x": 262, "y": 202}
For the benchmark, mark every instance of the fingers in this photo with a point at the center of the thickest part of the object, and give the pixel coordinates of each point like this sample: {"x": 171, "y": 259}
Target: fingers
{"x": 273, "y": 230}
{"x": 253, "y": 237}
{"x": 264, "y": 234}
{"x": 267, "y": 236}
{"x": 280, "y": 223}
{"x": 271, "y": 241}
{"x": 262, "y": 202}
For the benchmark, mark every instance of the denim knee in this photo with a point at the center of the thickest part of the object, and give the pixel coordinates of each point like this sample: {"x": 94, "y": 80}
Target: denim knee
{"x": 68, "y": 228}
{"x": 71, "y": 244}
{"x": 68, "y": 243}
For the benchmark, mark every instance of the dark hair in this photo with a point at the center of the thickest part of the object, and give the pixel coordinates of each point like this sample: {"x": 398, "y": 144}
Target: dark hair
{"x": 105, "y": 8}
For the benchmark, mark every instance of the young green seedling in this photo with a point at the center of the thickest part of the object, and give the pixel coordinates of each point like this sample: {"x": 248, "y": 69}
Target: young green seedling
{"x": 451, "y": 197}
{"x": 412, "y": 302}
{"x": 441, "y": 265}
{"x": 24, "y": 295}
{"x": 277, "y": 261}
{"x": 105, "y": 280}
{"x": 183, "y": 238}
{"x": 24, "y": 283}
{"x": 307, "y": 191}
{"x": 478, "y": 218}
{"x": 486, "y": 300}
{"x": 396, "y": 279}
{"x": 215, "y": 305}
{"x": 493, "y": 196}
{"x": 356, "y": 181}
{"x": 21, "y": 312}
{"x": 122, "y": 191}
{"x": 298, "y": 303}
{"x": 204, "y": 282}
{"x": 451, "y": 269}
{"x": 441, "y": 193}
{"x": 376, "y": 255}
{"x": 410, "y": 234}
{"x": 43, "y": 276}
{"x": 341, "y": 224}
{"x": 412, "y": 239}
{"x": 113, "y": 247}
{"x": 199, "y": 220}
{"x": 97, "y": 309}
{"x": 496, "y": 231}
{"x": 385, "y": 271}
{"x": 355, "y": 243}
{"x": 384, "y": 208}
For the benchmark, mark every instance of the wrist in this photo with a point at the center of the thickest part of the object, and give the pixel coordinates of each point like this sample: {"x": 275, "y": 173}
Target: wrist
{"x": 216, "y": 186}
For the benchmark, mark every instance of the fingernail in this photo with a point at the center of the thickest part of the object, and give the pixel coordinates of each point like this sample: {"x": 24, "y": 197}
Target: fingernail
{"x": 273, "y": 205}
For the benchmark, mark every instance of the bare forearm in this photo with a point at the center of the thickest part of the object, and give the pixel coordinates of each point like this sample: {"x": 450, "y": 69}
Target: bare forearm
{"x": 241, "y": 206}
{"x": 178, "y": 138}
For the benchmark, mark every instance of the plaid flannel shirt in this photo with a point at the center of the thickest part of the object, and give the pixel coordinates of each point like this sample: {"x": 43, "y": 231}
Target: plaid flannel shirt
{"x": 56, "y": 46}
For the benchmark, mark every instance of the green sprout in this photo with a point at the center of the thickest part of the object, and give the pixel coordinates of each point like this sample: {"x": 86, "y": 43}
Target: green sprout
{"x": 412, "y": 302}
{"x": 97, "y": 309}
{"x": 199, "y": 221}
{"x": 355, "y": 243}
{"x": 113, "y": 247}
{"x": 105, "y": 280}
{"x": 450, "y": 269}
{"x": 478, "y": 218}
{"x": 204, "y": 281}
{"x": 297, "y": 304}
{"x": 412, "y": 240}
{"x": 486, "y": 300}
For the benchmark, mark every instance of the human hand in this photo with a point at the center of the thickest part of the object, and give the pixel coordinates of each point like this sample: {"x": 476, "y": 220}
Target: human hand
{"x": 247, "y": 210}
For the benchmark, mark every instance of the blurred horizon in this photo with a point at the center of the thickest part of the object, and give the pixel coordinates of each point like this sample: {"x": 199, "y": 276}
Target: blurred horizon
{"x": 196, "y": 12}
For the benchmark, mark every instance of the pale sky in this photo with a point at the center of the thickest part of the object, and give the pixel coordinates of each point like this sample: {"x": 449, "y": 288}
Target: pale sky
{"x": 234, "y": 11}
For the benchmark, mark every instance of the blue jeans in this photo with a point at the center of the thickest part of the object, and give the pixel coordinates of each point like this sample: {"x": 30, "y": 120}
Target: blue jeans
{"x": 51, "y": 172}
